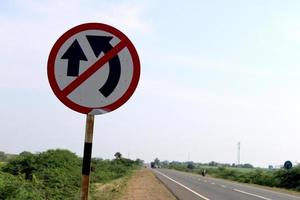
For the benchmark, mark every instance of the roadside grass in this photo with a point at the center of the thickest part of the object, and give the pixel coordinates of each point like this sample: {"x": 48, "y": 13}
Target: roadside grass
{"x": 110, "y": 190}
{"x": 242, "y": 170}
{"x": 246, "y": 170}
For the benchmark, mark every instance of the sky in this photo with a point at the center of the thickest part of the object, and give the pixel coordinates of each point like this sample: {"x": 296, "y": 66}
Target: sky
{"x": 213, "y": 73}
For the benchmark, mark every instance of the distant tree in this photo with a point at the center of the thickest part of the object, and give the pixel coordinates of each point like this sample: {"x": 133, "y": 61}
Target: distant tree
{"x": 157, "y": 161}
{"x": 247, "y": 165}
{"x": 226, "y": 165}
{"x": 164, "y": 164}
{"x": 173, "y": 164}
{"x": 213, "y": 163}
{"x": 270, "y": 167}
{"x": 190, "y": 165}
{"x": 25, "y": 153}
{"x": 118, "y": 155}
{"x": 139, "y": 162}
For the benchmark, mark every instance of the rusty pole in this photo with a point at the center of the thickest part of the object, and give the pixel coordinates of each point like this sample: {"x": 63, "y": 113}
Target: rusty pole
{"x": 87, "y": 156}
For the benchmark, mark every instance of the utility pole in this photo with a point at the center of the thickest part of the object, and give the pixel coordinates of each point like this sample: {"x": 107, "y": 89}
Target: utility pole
{"x": 239, "y": 153}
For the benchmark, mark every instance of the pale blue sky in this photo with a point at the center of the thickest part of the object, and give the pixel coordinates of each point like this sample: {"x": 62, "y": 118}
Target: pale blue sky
{"x": 213, "y": 73}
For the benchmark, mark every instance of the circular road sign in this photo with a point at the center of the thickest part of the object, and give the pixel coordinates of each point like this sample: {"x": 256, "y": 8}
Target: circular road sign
{"x": 288, "y": 164}
{"x": 93, "y": 68}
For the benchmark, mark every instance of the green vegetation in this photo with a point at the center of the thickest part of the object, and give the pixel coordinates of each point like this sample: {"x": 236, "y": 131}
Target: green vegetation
{"x": 55, "y": 174}
{"x": 282, "y": 178}
{"x": 110, "y": 190}
{"x": 289, "y": 179}
{"x": 4, "y": 157}
{"x": 104, "y": 171}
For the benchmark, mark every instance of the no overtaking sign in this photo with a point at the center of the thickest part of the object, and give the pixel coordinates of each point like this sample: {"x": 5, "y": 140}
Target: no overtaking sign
{"x": 93, "y": 68}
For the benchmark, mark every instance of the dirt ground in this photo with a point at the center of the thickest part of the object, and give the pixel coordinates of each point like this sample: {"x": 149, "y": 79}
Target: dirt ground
{"x": 145, "y": 186}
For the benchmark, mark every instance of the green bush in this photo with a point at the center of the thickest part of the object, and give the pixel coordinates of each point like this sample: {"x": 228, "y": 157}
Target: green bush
{"x": 289, "y": 178}
{"x": 55, "y": 175}
{"x": 8, "y": 185}
{"x": 105, "y": 170}
{"x": 16, "y": 188}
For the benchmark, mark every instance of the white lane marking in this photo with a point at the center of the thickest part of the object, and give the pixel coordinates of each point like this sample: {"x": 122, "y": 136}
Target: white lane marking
{"x": 199, "y": 195}
{"x": 223, "y": 186}
{"x": 212, "y": 183}
{"x": 255, "y": 195}
{"x": 199, "y": 179}
{"x": 252, "y": 187}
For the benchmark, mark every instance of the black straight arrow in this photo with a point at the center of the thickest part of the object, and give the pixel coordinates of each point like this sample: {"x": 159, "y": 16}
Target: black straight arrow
{"x": 101, "y": 44}
{"x": 74, "y": 54}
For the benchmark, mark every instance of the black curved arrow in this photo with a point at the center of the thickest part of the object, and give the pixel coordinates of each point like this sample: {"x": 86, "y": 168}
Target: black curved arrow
{"x": 74, "y": 54}
{"x": 99, "y": 44}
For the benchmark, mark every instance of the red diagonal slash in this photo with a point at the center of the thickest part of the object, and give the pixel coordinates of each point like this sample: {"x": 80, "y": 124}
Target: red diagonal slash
{"x": 93, "y": 68}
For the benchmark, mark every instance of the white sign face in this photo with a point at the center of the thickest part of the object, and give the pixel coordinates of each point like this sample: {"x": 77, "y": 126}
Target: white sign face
{"x": 93, "y": 68}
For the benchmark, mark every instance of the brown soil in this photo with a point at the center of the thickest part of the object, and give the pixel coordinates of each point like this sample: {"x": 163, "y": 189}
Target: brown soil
{"x": 145, "y": 186}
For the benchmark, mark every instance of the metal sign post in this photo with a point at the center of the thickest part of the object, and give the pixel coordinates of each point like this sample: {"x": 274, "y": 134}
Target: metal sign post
{"x": 87, "y": 155}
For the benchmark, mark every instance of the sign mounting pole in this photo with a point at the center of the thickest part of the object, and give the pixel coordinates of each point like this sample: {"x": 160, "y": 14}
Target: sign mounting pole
{"x": 87, "y": 155}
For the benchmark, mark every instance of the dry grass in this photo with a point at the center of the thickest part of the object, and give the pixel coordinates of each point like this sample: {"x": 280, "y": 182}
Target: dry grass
{"x": 109, "y": 191}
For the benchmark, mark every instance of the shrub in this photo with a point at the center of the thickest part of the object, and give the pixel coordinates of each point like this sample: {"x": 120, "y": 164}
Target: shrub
{"x": 55, "y": 174}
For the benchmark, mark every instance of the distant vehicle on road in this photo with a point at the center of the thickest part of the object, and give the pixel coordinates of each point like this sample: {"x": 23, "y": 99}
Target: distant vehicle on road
{"x": 154, "y": 165}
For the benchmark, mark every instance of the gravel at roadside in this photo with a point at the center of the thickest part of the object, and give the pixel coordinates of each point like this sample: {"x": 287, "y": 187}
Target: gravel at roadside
{"x": 145, "y": 186}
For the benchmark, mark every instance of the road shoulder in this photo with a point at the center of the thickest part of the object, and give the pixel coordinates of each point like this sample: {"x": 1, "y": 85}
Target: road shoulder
{"x": 144, "y": 185}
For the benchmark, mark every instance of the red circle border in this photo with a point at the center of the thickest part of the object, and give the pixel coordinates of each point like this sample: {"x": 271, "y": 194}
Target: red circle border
{"x": 93, "y": 26}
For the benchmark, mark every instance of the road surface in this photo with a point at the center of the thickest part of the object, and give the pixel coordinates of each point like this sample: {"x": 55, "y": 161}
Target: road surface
{"x": 195, "y": 187}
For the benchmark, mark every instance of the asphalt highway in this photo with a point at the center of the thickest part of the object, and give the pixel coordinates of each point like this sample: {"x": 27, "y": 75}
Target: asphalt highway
{"x": 195, "y": 187}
